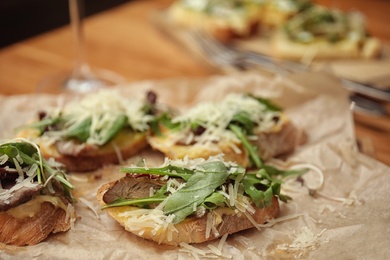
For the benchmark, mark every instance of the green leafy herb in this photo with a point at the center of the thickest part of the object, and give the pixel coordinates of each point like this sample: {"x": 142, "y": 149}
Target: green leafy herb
{"x": 80, "y": 131}
{"x": 119, "y": 123}
{"x": 27, "y": 155}
{"x": 251, "y": 149}
{"x": 41, "y": 125}
{"x": 243, "y": 120}
{"x": 198, "y": 187}
{"x": 213, "y": 201}
{"x": 170, "y": 170}
{"x": 166, "y": 120}
{"x": 273, "y": 171}
{"x": 268, "y": 103}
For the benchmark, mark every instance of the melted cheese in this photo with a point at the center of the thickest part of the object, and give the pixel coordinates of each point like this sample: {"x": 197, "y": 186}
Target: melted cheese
{"x": 32, "y": 207}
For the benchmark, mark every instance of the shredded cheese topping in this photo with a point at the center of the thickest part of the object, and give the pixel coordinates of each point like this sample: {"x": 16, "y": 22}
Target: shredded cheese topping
{"x": 215, "y": 118}
{"x": 21, "y": 181}
{"x": 304, "y": 240}
{"x": 195, "y": 164}
{"x": 103, "y": 108}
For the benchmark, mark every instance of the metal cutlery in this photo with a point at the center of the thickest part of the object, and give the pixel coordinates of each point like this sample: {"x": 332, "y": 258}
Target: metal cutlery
{"x": 224, "y": 56}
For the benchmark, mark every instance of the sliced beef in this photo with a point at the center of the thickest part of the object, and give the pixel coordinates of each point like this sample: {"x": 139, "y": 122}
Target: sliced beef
{"x": 130, "y": 187}
{"x": 20, "y": 196}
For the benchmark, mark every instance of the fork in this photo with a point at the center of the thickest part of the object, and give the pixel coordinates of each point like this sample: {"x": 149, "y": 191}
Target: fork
{"x": 227, "y": 56}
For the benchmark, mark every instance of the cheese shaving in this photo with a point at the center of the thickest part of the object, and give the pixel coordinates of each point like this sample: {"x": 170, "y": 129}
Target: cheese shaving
{"x": 215, "y": 118}
{"x": 152, "y": 220}
{"x": 305, "y": 240}
{"x": 195, "y": 164}
{"x": 90, "y": 206}
{"x": 103, "y": 108}
{"x": 70, "y": 215}
{"x": 212, "y": 252}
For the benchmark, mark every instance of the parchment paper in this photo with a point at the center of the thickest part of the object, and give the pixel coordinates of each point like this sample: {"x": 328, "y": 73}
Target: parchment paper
{"x": 358, "y": 229}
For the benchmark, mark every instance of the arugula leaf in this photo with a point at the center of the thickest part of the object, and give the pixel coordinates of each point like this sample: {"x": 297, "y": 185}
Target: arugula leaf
{"x": 268, "y": 195}
{"x": 213, "y": 201}
{"x": 42, "y": 124}
{"x": 268, "y": 103}
{"x": 243, "y": 120}
{"x": 198, "y": 187}
{"x": 273, "y": 171}
{"x": 169, "y": 170}
{"x": 117, "y": 125}
{"x": 254, "y": 188}
{"x": 80, "y": 131}
{"x": 251, "y": 149}
{"x": 261, "y": 188}
{"x": 29, "y": 156}
{"x": 166, "y": 121}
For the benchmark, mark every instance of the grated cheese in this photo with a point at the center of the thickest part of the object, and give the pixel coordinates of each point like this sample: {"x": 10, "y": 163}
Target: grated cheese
{"x": 153, "y": 220}
{"x": 305, "y": 240}
{"x": 215, "y": 118}
{"x": 3, "y": 159}
{"x": 70, "y": 215}
{"x": 118, "y": 153}
{"x": 103, "y": 107}
{"x": 90, "y": 206}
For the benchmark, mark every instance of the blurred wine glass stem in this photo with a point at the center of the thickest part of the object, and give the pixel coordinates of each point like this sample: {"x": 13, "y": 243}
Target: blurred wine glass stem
{"x": 82, "y": 78}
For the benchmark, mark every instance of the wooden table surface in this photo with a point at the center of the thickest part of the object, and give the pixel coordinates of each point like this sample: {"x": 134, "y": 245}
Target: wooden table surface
{"x": 124, "y": 40}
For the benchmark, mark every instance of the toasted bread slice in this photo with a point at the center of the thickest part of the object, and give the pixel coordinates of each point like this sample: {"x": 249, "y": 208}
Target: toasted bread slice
{"x": 33, "y": 221}
{"x": 83, "y": 158}
{"x": 166, "y": 143}
{"x": 275, "y": 13}
{"x": 192, "y": 229}
{"x": 238, "y": 23}
{"x": 324, "y": 33}
{"x": 279, "y": 140}
{"x": 285, "y": 48}
{"x": 101, "y": 128}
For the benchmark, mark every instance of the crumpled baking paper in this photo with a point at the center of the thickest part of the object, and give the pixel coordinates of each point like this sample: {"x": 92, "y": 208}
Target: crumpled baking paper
{"x": 348, "y": 217}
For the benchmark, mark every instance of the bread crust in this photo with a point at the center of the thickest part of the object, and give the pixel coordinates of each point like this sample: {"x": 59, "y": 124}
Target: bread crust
{"x": 222, "y": 28}
{"x": 30, "y": 230}
{"x": 178, "y": 151}
{"x": 194, "y": 229}
{"x": 284, "y": 48}
{"x": 281, "y": 140}
{"x": 125, "y": 143}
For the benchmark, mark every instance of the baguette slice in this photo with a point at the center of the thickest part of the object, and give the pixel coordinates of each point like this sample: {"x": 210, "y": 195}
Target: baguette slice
{"x": 284, "y": 48}
{"x": 239, "y": 23}
{"x": 100, "y": 128}
{"x": 166, "y": 143}
{"x": 281, "y": 139}
{"x": 33, "y": 221}
{"x": 275, "y": 13}
{"x": 192, "y": 229}
{"x": 324, "y": 33}
{"x": 83, "y": 158}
